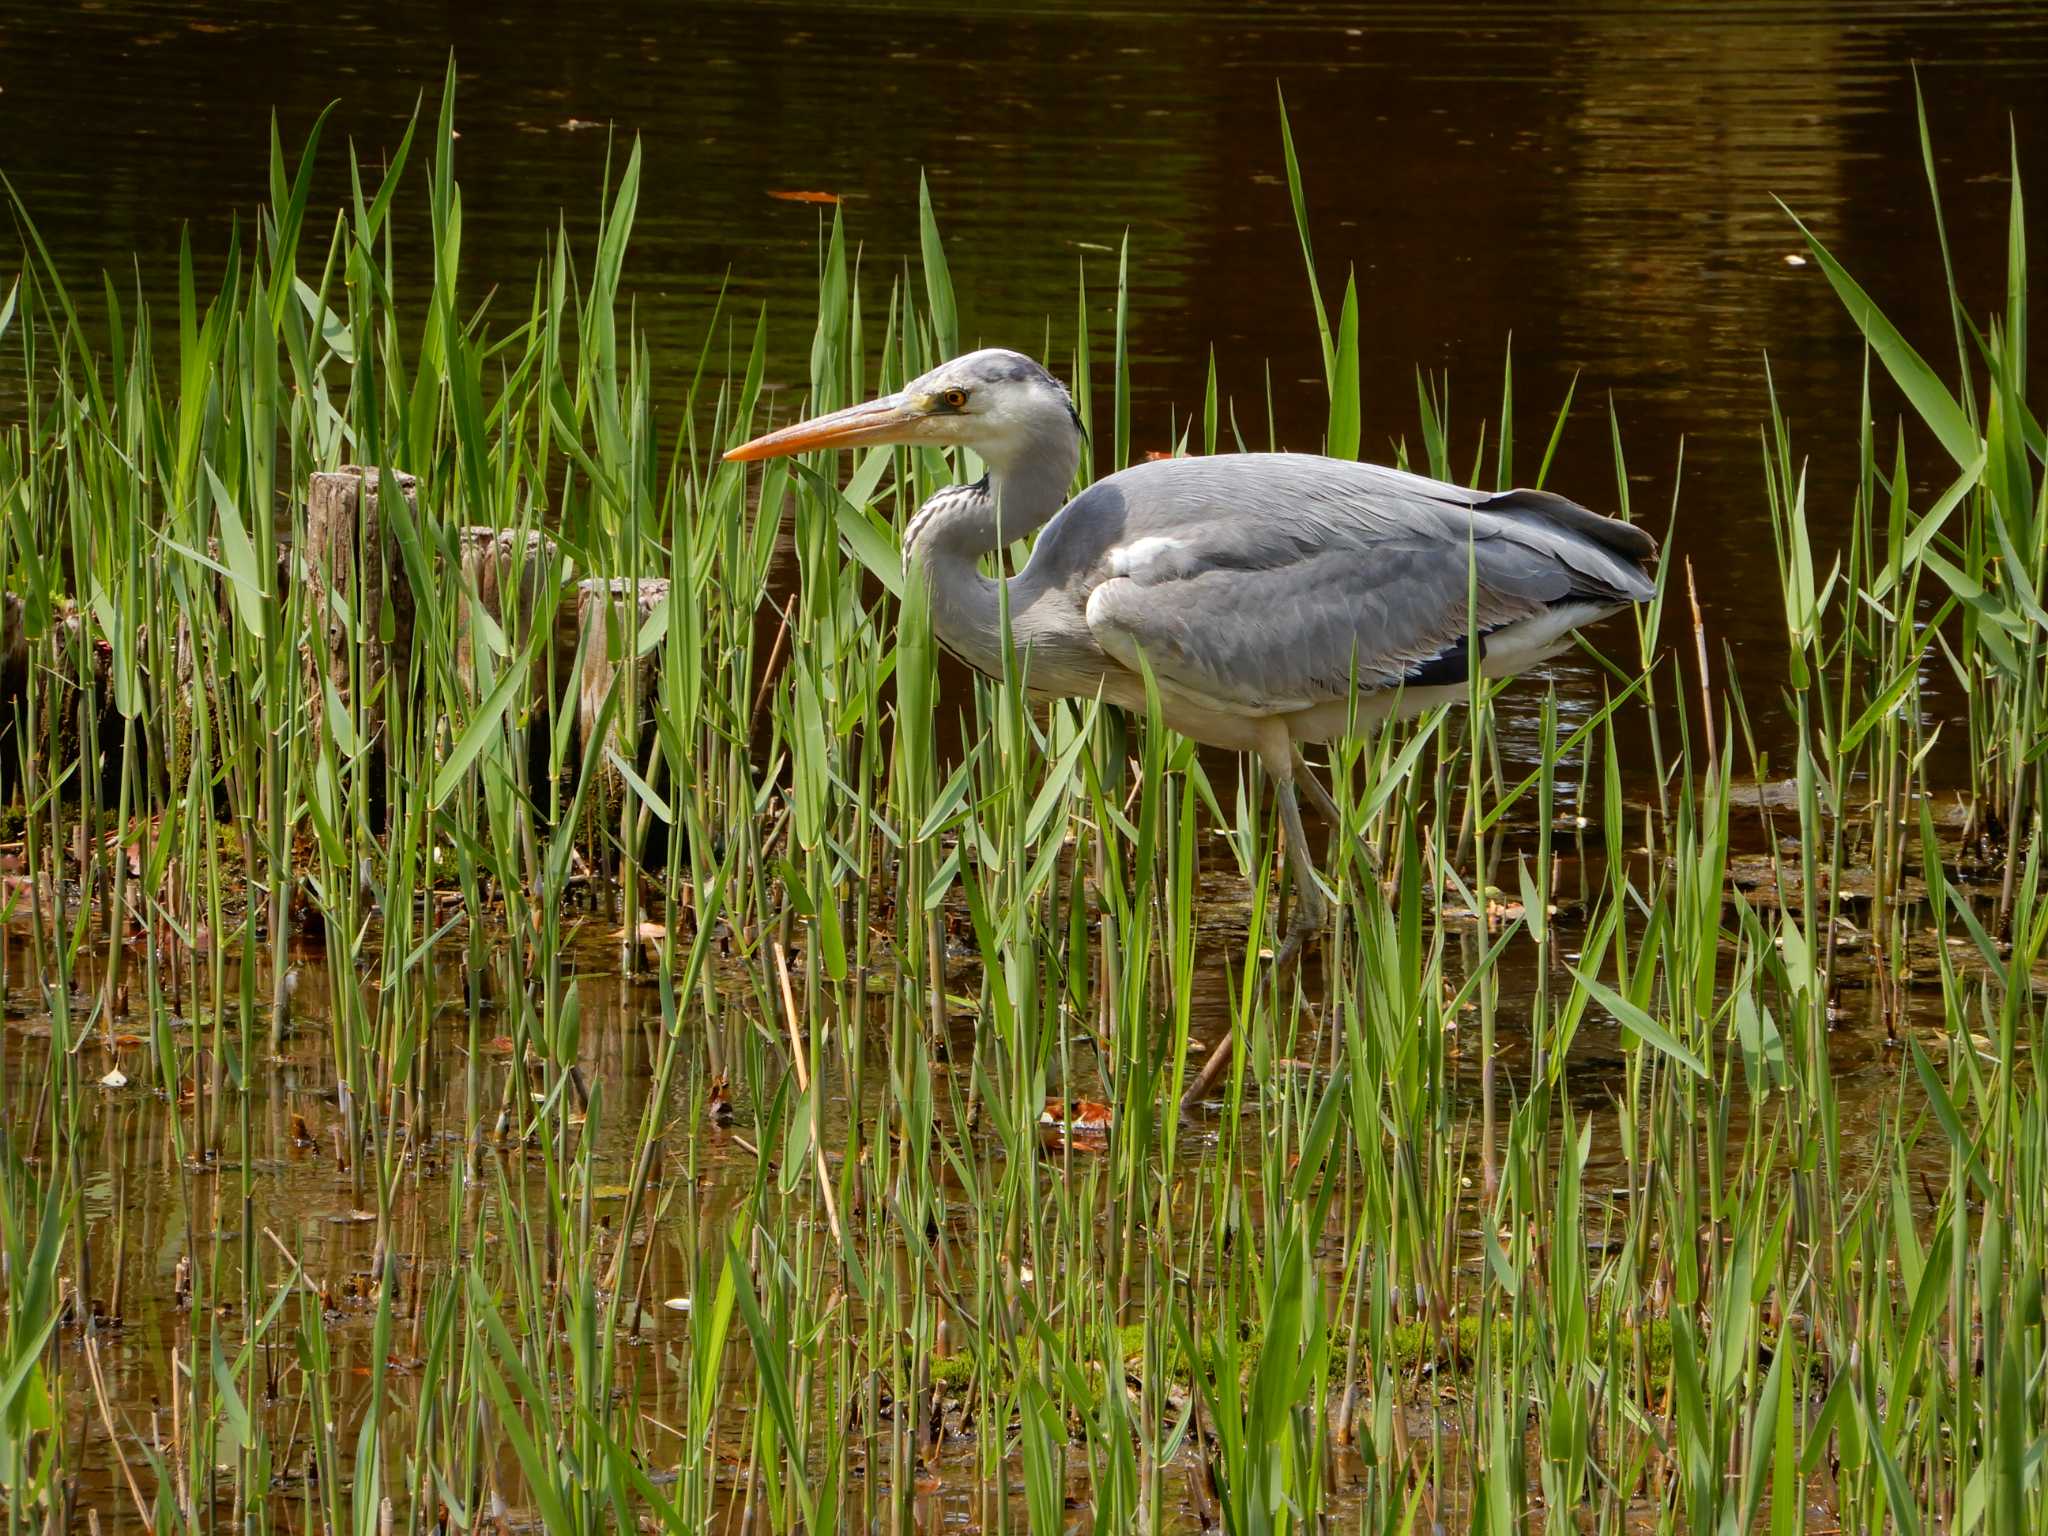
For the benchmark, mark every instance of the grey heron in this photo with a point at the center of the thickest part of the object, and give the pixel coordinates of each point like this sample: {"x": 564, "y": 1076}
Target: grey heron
{"x": 1276, "y": 597}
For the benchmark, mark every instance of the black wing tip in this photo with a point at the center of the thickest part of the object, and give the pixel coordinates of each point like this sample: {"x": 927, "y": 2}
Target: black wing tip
{"x": 1629, "y": 540}
{"x": 1447, "y": 668}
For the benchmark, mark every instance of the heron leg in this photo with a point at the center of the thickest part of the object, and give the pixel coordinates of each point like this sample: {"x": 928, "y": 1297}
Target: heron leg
{"x": 1311, "y": 909}
{"x": 1311, "y": 912}
{"x": 1326, "y": 808}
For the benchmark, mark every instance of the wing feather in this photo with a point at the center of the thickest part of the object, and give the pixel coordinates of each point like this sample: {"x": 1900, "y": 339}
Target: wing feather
{"x": 1263, "y": 584}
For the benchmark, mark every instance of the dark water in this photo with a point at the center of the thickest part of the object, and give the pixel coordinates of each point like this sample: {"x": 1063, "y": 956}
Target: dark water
{"x": 1594, "y": 181}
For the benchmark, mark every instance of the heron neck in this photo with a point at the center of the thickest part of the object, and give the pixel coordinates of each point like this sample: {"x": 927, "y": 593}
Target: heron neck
{"x": 962, "y": 524}
{"x": 1025, "y": 494}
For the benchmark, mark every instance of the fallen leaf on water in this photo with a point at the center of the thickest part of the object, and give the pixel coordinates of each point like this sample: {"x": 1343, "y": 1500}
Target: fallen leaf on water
{"x": 677, "y": 1303}
{"x": 718, "y": 1102}
{"x": 803, "y": 197}
{"x": 1085, "y": 1122}
{"x": 115, "y": 1079}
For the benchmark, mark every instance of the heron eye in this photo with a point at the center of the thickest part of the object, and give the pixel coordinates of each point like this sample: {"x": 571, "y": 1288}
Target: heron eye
{"x": 956, "y": 399}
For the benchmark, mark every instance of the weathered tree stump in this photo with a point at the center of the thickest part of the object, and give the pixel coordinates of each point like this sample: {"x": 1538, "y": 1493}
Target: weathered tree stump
{"x": 511, "y": 574}
{"x": 610, "y": 615}
{"x": 609, "y": 634}
{"x": 357, "y": 595}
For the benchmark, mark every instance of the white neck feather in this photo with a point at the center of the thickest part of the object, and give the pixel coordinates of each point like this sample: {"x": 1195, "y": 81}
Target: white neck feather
{"x": 962, "y": 523}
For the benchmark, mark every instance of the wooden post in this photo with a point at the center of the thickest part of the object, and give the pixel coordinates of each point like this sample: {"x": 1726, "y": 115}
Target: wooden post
{"x": 610, "y": 621}
{"x": 497, "y": 563}
{"x": 351, "y": 581}
{"x": 608, "y": 637}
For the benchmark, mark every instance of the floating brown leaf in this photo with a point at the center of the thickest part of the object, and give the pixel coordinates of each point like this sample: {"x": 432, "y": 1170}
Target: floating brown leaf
{"x": 1084, "y": 1122}
{"x": 718, "y": 1101}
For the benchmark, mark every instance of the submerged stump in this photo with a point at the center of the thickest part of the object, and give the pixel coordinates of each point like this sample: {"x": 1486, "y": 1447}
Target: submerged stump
{"x": 360, "y": 606}
{"x": 513, "y": 576}
{"x": 517, "y": 580}
{"x": 609, "y": 618}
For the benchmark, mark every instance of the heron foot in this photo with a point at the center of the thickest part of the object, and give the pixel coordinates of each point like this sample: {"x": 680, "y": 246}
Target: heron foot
{"x": 1311, "y": 913}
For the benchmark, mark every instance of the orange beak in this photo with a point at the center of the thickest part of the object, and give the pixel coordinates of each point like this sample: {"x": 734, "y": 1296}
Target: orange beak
{"x": 891, "y": 419}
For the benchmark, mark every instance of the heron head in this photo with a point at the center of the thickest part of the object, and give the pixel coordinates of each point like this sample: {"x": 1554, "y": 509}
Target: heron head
{"x": 997, "y": 402}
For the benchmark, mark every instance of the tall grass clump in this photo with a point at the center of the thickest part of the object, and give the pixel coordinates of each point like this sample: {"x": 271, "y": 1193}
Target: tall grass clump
{"x": 487, "y": 1052}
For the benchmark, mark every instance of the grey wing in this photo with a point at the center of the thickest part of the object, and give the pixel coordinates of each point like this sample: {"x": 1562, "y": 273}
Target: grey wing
{"x": 1264, "y": 584}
